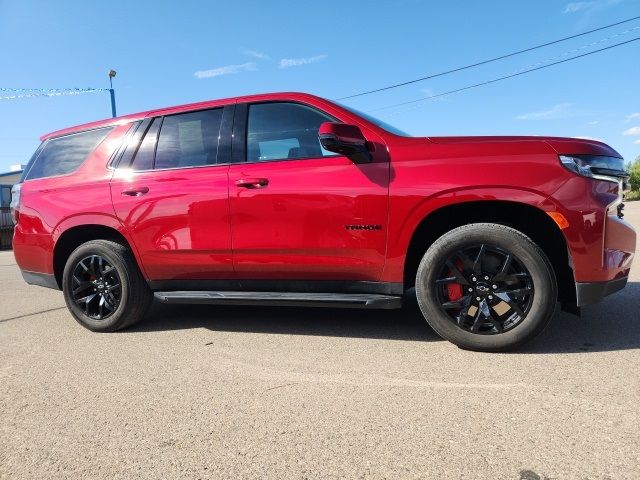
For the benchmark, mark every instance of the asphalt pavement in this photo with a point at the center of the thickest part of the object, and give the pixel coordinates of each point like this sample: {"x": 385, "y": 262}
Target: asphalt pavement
{"x": 211, "y": 392}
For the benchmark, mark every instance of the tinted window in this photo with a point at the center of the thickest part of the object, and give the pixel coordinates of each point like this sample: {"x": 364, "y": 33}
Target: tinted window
{"x": 130, "y": 143}
{"x": 63, "y": 155}
{"x": 189, "y": 139}
{"x": 144, "y": 156}
{"x": 277, "y": 131}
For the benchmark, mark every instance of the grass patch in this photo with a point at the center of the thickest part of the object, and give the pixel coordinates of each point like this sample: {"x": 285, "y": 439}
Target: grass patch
{"x": 632, "y": 195}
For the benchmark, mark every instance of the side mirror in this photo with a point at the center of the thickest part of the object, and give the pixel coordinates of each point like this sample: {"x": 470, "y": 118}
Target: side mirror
{"x": 346, "y": 140}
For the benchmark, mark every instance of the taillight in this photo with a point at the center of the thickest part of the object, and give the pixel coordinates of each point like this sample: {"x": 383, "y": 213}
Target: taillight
{"x": 15, "y": 202}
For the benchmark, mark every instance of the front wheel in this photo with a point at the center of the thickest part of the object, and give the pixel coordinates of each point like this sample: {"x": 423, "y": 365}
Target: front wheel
{"x": 486, "y": 287}
{"x": 103, "y": 287}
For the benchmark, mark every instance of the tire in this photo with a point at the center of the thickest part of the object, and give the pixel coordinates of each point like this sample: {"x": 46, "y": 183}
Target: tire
{"x": 527, "y": 287}
{"x": 103, "y": 287}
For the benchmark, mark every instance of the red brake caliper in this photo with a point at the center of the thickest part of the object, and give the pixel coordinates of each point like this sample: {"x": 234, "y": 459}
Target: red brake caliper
{"x": 454, "y": 290}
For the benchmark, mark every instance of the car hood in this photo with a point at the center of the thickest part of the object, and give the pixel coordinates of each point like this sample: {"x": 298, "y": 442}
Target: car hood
{"x": 562, "y": 145}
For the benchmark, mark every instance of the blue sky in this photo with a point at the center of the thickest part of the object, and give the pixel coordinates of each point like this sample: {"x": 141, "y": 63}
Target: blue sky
{"x": 169, "y": 53}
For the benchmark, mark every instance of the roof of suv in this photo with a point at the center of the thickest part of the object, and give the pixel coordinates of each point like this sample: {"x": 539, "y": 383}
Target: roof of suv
{"x": 179, "y": 108}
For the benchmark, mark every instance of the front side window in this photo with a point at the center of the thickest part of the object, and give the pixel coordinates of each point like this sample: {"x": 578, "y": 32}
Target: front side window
{"x": 189, "y": 139}
{"x": 63, "y": 155}
{"x": 279, "y": 131}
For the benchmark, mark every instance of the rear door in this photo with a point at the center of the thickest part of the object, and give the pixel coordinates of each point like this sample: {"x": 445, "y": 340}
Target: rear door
{"x": 299, "y": 212}
{"x": 170, "y": 190}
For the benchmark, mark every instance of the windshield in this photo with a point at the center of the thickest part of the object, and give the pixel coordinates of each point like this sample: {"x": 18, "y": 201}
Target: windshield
{"x": 376, "y": 121}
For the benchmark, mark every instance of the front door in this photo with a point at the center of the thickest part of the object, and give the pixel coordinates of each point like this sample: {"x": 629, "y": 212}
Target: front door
{"x": 172, "y": 195}
{"x": 299, "y": 212}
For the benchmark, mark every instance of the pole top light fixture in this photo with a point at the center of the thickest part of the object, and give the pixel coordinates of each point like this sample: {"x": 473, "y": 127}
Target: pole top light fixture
{"x": 112, "y": 73}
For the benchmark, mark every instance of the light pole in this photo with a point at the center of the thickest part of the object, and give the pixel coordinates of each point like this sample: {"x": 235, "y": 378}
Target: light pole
{"x": 112, "y": 73}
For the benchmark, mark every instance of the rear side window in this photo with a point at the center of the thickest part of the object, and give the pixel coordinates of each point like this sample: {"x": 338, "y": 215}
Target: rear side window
{"x": 189, "y": 139}
{"x": 63, "y": 155}
{"x": 145, "y": 154}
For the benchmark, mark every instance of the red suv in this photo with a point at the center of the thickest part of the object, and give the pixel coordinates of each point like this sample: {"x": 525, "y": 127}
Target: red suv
{"x": 290, "y": 199}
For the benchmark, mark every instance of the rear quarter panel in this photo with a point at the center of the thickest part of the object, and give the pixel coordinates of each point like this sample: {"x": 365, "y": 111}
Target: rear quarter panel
{"x": 50, "y": 206}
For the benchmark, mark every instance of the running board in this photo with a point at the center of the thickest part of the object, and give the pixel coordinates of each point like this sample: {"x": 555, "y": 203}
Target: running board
{"x": 283, "y": 299}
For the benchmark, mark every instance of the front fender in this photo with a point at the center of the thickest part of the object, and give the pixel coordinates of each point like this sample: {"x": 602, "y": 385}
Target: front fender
{"x": 409, "y": 211}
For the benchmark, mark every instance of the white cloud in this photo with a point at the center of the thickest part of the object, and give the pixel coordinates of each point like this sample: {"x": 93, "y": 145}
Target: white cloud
{"x": 631, "y": 131}
{"x": 632, "y": 116}
{"x": 430, "y": 92}
{"x": 226, "y": 70}
{"x": 595, "y": 122}
{"x": 561, "y": 110}
{"x": 255, "y": 54}
{"x": 577, "y": 6}
{"x": 296, "y": 62}
{"x": 637, "y": 142}
{"x": 589, "y": 7}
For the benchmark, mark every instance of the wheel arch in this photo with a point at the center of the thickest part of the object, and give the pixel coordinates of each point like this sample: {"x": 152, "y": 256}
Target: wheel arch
{"x": 526, "y": 218}
{"x": 71, "y": 238}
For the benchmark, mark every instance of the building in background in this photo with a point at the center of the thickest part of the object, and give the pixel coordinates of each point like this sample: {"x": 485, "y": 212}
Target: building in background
{"x": 7, "y": 180}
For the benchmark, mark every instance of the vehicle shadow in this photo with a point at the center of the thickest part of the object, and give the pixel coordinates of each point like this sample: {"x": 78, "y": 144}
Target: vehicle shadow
{"x": 611, "y": 325}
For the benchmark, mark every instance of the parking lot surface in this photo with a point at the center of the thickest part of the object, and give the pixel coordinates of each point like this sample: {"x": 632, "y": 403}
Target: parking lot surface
{"x": 199, "y": 392}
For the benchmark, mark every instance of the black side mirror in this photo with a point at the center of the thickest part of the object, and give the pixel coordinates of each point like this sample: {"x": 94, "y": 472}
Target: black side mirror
{"x": 346, "y": 140}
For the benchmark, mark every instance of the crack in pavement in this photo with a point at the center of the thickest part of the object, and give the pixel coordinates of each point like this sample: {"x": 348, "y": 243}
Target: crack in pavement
{"x": 31, "y": 314}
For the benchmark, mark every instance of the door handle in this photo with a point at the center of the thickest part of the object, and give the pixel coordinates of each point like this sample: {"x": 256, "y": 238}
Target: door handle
{"x": 252, "y": 182}
{"x": 136, "y": 192}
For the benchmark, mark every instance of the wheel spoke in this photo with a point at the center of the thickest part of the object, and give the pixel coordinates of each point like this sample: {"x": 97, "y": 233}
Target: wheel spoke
{"x": 502, "y": 273}
{"x": 447, "y": 280}
{"x": 85, "y": 299}
{"x": 86, "y": 269}
{"x": 477, "y": 265}
{"x": 456, "y": 303}
{"x": 464, "y": 313}
{"x": 81, "y": 287}
{"x": 516, "y": 293}
{"x": 496, "y": 323}
{"x": 457, "y": 273}
{"x": 516, "y": 308}
{"x": 477, "y": 321}
{"x": 467, "y": 263}
{"x": 516, "y": 277}
{"x": 111, "y": 301}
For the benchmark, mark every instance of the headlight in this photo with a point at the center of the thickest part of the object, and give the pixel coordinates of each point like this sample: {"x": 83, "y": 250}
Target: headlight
{"x": 610, "y": 169}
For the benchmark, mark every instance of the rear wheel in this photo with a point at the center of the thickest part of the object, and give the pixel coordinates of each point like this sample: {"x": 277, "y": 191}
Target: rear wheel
{"x": 486, "y": 287}
{"x": 103, "y": 287}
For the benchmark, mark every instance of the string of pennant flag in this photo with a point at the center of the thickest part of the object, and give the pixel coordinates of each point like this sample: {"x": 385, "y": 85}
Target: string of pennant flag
{"x": 14, "y": 93}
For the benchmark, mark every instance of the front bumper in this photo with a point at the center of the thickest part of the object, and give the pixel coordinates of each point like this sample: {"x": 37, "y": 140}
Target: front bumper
{"x": 593, "y": 292}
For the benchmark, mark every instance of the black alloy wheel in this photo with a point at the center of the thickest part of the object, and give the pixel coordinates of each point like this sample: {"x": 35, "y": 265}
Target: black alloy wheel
{"x": 97, "y": 287}
{"x": 486, "y": 287}
{"x": 103, "y": 286}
